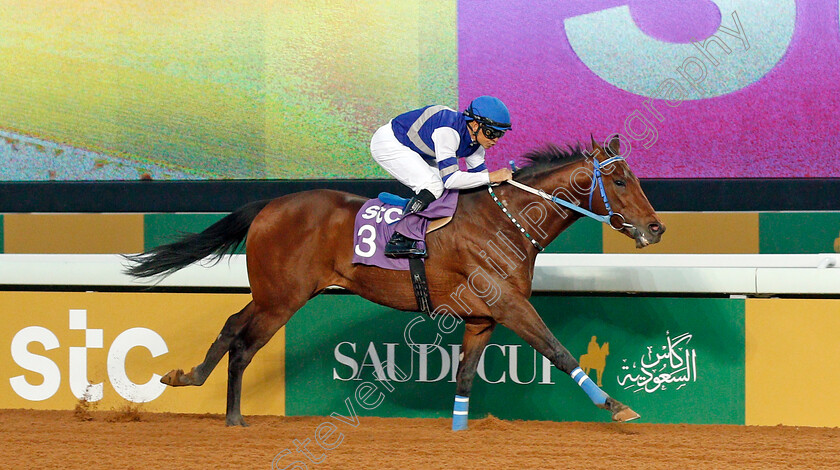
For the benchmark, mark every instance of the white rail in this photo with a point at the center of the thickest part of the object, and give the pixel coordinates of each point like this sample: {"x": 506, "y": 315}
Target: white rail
{"x": 816, "y": 274}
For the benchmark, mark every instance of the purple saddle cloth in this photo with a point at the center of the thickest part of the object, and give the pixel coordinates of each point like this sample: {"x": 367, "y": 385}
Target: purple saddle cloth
{"x": 376, "y": 222}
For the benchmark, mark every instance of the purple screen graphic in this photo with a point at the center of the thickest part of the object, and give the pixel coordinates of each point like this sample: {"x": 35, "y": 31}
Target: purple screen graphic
{"x": 783, "y": 123}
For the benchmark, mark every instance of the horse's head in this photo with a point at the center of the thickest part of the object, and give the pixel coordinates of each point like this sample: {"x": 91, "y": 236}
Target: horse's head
{"x": 615, "y": 191}
{"x": 598, "y": 184}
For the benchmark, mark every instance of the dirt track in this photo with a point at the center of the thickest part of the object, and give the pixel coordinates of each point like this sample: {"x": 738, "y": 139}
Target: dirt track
{"x": 63, "y": 439}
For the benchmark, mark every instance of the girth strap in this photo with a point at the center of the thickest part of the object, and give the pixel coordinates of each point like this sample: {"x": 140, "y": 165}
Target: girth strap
{"x": 421, "y": 288}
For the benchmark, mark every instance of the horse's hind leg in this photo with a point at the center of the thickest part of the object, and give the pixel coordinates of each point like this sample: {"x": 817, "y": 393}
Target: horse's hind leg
{"x": 259, "y": 329}
{"x": 199, "y": 373}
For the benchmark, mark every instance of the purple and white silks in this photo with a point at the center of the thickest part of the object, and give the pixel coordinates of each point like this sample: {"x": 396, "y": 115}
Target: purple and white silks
{"x": 376, "y": 222}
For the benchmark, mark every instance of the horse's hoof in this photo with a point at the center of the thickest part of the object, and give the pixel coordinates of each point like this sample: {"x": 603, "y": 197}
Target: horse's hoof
{"x": 621, "y": 413}
{"x": 236, "y": 421}
{"x": 175, "y": 378}
{"x": 625, "y": 415}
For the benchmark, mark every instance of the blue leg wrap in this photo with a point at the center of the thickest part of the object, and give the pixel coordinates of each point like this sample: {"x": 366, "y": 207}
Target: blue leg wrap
{"x": 459, "y": 413}
{"x": 595, "y": 393}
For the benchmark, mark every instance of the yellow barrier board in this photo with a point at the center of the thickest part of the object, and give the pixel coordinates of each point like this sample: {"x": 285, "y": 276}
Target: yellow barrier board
{"x": 792, "y": 371}
{"x": 695, "y": 232}
{"x": 73, "y": 233}
{"x": 112, "y": 348}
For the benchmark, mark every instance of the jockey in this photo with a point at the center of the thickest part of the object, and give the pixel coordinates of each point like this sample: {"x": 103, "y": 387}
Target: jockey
{"x": 421, "y": 149}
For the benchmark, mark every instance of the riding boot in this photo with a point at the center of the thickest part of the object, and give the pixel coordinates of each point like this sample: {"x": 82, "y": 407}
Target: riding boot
{"x": 400, "y": 246}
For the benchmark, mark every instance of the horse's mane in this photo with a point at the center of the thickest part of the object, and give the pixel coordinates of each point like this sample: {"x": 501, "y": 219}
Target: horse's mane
{"x": 549, "y": 157}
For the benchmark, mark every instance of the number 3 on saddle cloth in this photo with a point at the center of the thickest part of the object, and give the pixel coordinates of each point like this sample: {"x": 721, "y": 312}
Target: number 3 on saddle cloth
{"x": 377, "y": 220}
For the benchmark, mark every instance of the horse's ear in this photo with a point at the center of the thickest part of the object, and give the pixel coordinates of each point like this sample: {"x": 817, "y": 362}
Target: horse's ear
{"x": 615, "y": 146}
{"x": 594, "y": 143}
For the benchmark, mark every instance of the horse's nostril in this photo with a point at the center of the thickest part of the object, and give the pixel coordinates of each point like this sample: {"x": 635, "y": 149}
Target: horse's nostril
{"x": 656, "y": 228}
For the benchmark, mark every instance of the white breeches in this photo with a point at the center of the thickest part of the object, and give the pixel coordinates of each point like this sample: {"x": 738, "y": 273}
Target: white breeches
{"x": 404, "y": 164}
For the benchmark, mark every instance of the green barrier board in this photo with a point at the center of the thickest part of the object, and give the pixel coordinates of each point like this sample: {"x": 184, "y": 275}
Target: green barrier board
{"x": 798, "y": 232}
{"x": 160, "y": 229}
{"x": 672, "y": 360}
{"x": 584, "y": 236}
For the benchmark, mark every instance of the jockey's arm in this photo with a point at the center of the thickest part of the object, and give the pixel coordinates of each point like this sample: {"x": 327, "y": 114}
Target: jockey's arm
{"x": 446, "y": 142}
{"x": 475, "y": 162}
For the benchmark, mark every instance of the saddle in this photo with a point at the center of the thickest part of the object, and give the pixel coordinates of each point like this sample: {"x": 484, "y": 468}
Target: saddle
{"x": 377, "y": 219}
{"x": 399, "y": 201}
{"x": 376, "y": 222}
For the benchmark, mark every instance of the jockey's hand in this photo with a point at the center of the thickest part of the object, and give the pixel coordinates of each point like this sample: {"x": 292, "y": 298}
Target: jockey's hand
{"x": 503, "y": 174}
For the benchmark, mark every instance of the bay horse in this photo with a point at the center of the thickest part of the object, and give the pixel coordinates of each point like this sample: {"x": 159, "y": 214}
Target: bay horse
{"x": 299, "y": 244}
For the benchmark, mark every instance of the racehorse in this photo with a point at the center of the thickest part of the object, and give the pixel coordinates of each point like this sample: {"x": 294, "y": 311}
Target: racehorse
{"x": 480, "y": 267}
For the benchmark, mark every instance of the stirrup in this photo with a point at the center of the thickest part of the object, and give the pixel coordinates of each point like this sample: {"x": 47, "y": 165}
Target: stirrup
{"x": 400, "y": 246}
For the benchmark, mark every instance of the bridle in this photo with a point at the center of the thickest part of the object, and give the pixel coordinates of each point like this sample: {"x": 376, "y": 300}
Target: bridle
{"x": 597, "y": 181}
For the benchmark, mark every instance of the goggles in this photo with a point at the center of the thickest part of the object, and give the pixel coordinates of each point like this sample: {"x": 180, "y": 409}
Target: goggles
{"x": 491, "y": 133}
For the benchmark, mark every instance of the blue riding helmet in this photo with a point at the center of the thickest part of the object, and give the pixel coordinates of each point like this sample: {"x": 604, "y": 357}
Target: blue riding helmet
{"x": 489, "y": 111}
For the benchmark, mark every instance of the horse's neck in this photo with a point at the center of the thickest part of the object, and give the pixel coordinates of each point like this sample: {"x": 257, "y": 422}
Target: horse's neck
{"x": 488, "y": 223}
{"x": 545, "y": 219}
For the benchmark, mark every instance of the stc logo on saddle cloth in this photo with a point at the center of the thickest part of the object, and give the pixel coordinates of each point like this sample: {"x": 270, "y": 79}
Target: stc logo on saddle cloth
{"x": 77, "y": 365}
{"x": 670, "y": 365}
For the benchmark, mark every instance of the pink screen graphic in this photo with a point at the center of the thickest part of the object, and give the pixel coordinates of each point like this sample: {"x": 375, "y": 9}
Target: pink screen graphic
{"x": 771, "y": 109}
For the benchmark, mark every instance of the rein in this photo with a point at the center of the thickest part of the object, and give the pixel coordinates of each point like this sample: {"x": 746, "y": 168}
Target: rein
{"x": 596, "y": 181}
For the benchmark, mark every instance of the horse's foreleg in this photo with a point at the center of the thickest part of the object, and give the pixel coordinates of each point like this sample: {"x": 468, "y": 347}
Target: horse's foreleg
{"x": 521, "y": 317}
{"x": 476, "y": 335}
{"x": 220, "y": 346}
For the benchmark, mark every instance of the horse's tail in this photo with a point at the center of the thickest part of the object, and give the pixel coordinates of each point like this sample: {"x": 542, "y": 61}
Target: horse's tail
{"x": 218, "y": 239}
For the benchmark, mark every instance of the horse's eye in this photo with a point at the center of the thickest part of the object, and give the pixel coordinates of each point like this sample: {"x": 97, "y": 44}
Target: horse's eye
{"x": 620, "y": 183}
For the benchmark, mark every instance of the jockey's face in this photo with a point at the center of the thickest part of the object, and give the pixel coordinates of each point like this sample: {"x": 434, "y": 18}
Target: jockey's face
{"x": 477, "y": 134}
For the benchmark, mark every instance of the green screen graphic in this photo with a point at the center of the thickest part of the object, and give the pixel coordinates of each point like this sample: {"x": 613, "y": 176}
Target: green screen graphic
{"x": 197, "y": 90}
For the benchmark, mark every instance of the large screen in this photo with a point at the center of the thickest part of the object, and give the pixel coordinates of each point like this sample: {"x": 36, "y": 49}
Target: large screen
{"x": 196, "y": 90}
